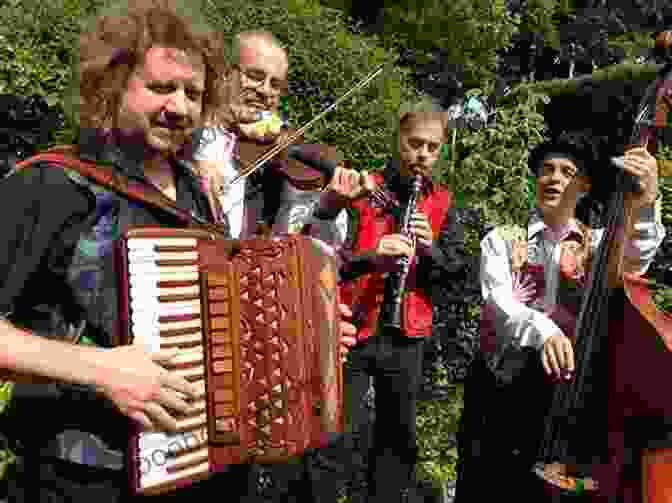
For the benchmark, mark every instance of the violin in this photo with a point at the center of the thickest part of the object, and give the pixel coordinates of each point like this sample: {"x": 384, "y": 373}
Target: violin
{"x": 297, "y": 173}
{"x": 263, "y": 153}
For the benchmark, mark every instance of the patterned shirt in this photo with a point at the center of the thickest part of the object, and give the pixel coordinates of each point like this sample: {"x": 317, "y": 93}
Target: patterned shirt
{"x": 58, "y": 280}
{"x": 521, "y": 311}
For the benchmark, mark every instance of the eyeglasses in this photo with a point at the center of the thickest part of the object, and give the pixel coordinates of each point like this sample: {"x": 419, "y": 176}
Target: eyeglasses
{"x": 253, "y": 77}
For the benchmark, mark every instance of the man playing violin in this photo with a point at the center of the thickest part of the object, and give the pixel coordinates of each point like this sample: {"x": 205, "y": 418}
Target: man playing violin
{"x": 139, "y": 101}
{"x": 394, "y": 358}
{"x": 532, "y": 281}
{"x": 254, "y": 86}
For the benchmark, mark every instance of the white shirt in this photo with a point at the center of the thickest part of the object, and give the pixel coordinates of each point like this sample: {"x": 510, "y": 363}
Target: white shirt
{"x": 296, "y": 207}
{"x": 217, "y": 145}
{"x": 519, "y": 325}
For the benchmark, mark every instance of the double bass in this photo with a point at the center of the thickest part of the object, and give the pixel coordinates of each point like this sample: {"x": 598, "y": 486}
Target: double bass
{"x": 623, "y": 356}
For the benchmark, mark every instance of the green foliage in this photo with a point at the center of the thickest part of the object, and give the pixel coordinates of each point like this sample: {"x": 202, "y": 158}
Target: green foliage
{"x": 489, "y": 166}
{"x": 634, "y": 43}
{"x": 468, "y": 31}
{"x": 322, "y": 49}
{"x": 36, "y": 40}
{"x": 437, "y": 425}
{"x": 540, "y": 17}
{"x": 559, "y": 87}
{"x": 662, "y": 296}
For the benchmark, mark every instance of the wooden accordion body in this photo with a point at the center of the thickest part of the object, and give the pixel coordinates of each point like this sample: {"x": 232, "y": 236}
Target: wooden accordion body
{"x": 257, "y": 332}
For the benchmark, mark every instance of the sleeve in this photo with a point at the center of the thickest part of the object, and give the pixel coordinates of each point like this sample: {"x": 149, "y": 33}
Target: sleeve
{"x": 353, "y": 265}
{"x": 644, "y": 239}
{"x": 332, "y": 231}
{"x": 447, "y": 254}
{"x": 35, "y": 203}
{"x": 516, "y": 324}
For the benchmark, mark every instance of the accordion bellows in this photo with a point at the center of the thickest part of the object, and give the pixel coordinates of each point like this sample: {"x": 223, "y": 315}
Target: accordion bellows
{"x": 257, "y": 332}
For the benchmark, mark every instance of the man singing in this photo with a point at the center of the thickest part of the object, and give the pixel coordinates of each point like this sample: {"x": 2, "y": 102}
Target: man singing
{"x": 146, "y": 78}
{"x": 532, "y": 285}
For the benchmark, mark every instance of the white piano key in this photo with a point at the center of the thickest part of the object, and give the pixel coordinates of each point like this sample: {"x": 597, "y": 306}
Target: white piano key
{"x": 154, "y": 303}
{"x": 190, "y": 423}
{"x": 181, "y": 325}
{"x": 165, "y": 309}
{"x": 142, "y": 256}
{"x": 180, "y": 340}
{"x": 189, "y": 356}
{"x": 153, "y": 278}
{"x": 197, "y": 407}
{"x": 152, "y": 269}
{"x": 144, "y": 243}
{"x": 151, "y": 289}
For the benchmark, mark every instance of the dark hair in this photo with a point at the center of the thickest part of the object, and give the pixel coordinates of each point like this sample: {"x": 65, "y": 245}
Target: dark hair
{"x": 574, "y": 146}
{"x": 118, "y": 42}
{"x": 582, "y": 148}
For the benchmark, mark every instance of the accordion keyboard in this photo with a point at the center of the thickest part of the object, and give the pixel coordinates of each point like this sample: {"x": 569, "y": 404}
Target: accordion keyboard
{"x": 165, "y": 313}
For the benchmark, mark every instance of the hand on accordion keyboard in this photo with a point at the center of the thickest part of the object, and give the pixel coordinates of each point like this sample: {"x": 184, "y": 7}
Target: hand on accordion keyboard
{"x": 143, "y": 390}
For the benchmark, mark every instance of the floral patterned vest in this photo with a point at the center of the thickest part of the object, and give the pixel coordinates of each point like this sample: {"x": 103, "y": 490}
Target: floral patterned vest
{"x": 528, "y": 271}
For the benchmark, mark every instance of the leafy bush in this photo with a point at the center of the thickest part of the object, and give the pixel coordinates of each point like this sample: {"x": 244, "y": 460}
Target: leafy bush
{"x": 486, "y": 167}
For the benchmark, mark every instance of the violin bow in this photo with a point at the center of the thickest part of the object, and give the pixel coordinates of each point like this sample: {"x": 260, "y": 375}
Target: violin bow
{"x": 249, "y": 170}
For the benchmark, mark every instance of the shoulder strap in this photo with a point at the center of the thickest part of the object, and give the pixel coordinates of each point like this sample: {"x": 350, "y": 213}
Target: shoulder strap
{"x": 62, "y": 157}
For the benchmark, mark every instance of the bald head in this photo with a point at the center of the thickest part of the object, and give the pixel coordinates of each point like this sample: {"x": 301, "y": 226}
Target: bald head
{"x": 260, "y": 75}
{"x": 250, "y": 47}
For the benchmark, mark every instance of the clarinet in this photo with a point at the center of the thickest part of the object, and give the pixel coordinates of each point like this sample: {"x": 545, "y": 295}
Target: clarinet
{"x": 395, "y": 285}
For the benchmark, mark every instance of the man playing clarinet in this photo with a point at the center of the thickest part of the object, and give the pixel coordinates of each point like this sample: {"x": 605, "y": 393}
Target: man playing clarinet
{"x": 533, "y": 281}
{"x": 433, "y": 243}
{"x": 145, "y": 79}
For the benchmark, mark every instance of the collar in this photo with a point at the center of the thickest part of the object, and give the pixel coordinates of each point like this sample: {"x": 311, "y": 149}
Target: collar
{"x": 537, "y": 226}
{"x": 101, "y": 148}
{"x": 128, "y": 159}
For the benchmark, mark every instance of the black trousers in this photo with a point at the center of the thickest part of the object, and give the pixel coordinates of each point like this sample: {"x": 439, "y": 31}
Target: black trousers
{"x": 395, "y": 364}
{"x": 498, "y": 435}
{"x": 55, "y": 481}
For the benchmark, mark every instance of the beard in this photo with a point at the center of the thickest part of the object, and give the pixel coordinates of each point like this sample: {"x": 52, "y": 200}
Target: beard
{"x": 155, "y": 134}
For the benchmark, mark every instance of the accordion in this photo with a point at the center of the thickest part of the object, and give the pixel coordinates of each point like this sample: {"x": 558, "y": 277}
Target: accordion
{"x": 257, "y": 332}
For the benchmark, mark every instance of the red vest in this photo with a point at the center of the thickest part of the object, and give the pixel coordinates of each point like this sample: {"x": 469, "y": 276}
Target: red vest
{"x": 364, "y": 295}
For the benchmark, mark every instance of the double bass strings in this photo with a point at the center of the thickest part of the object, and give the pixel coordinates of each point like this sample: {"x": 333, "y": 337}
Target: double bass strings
{"x": 575, "y": 409}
